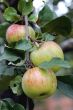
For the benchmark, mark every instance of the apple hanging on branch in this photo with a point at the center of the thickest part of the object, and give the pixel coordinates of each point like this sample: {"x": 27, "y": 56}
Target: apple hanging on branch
{"x": 17, "y": 32}
{"x": 46, "y": 52}
{"x": 38, "y": 83}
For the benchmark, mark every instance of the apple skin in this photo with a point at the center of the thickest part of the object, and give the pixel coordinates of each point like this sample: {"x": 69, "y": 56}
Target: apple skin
{"x": 46, "y": 52}
{"x": 16, "y": 32}
{"x": 39, "y": 84}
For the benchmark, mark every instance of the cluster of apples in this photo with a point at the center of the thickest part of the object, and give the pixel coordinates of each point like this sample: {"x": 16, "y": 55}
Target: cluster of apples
{"x": 37, "y": 83}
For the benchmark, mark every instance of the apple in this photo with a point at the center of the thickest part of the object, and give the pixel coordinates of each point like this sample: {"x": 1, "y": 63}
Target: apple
{"x": 46, "y": 52}
{"x": 16, "y": 32}
{"x": 38, "y": 83}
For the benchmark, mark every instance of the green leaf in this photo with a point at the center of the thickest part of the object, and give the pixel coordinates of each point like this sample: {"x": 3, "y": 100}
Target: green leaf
{"x": 3, "y": 106}
{"x": 69, "y": 55}
{"x": 8, "y": 55}
{"x": 33, "y": 18}
{"x": 65, "y": 85}
{"x": 4, "y": 82}
{"x": 45, "y": 16}
{"x": 15, "y": 85}
{"x": 18, "y": 107}
{"x": 55, "y": 62}
{"x": 16, "y": 52}
{"x": 9, "y": 102}
{"x": 25, "y": 7}
{"x": 61, "y": 25}
{"x": 5, "y": 70}
{"x": 10, "y": 14}
{"x": 64, "y": 72}
{"x": 3, "y": 28}
{"x": 66, "y": 79}
{"x": 20, "y": 63}
{"x": 47, "y": 37}
{"x": 6, "y": 75}
{"x": 23, "y": 45}
{"x": 70, "y": 15}
{"x": 66, "y": 89}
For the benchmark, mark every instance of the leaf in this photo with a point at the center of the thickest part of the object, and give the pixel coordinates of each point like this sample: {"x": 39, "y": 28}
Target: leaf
{"x": 18, "y": 107}
{"x": 45, "y": 16}
{"x": 3, "y": 28}
{"x": 69, "y": 54}
{"x": 16, "y": 52}
{"x": 65, "y": 85}
{"x": 6, "y": 75}
{"x": 9, "y": 103}
{"x": 23, "y": 45}
{"x": 70, "y": 15}
{"x": 3, "y": 106}
{"x": 4, "y": 82}
{"x": 64, "y": 72}
{"x": 20, "y": 63}
{"x": 47, "y": 37}
{"x": 66, "y": 89}
{"x": 55, "y": 62}
{"x": 15, "y": 85}
{"x": 66, "y": 79}
{"x": 5, "y": 70}
{"x": 61, "y": 25}
{"x": 8, "y": 55}
{"x": 10, "y": 14}
{"x": 25, "y": 7}
{"x": 33, "y": 18}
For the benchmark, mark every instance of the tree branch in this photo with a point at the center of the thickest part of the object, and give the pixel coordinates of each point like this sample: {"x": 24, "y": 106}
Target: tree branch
{"x": 26, "y": 28}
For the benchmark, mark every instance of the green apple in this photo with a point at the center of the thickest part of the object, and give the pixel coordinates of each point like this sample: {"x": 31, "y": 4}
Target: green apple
{"x": 46, "y": 52}
{"x": 38, "y": 83}
{"x": 16, "y": 32}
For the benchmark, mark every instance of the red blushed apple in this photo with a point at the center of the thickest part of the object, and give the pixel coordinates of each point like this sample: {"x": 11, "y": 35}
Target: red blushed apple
{"x": 38, "y": 83}
{"x": 16, "y": 32}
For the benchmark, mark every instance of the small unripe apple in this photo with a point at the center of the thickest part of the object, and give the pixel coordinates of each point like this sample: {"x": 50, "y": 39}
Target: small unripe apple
{"x": 38, "y": 83}
{"x": 16, "y": 32}
{"x": 46, "y": 52}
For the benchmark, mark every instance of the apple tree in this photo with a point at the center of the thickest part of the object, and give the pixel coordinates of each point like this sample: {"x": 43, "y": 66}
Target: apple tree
{"x": 34, "y": 60}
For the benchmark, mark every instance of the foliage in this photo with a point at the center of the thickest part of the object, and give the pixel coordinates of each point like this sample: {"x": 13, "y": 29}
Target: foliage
{"x": 14, "y": 60}
{"x": 9, "y": 104}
